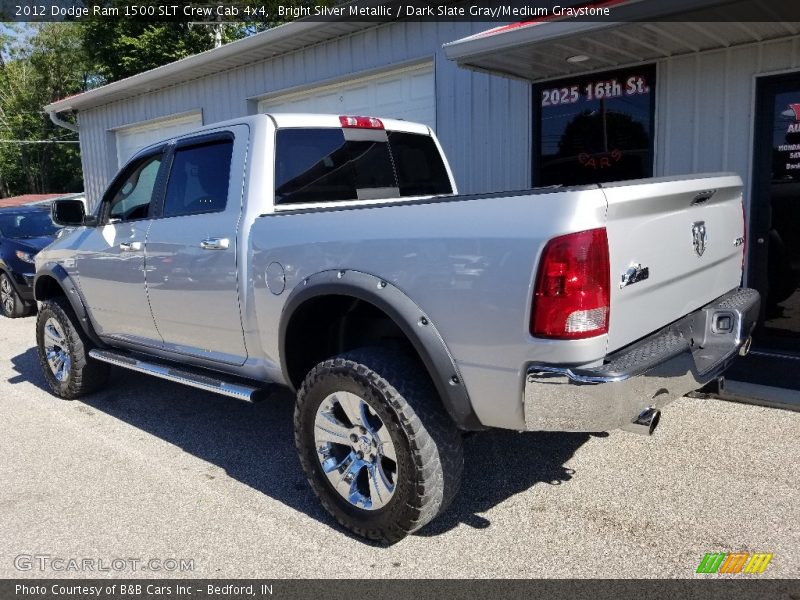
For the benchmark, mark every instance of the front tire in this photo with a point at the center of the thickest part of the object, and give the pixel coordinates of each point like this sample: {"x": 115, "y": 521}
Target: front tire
{"x": 376, "y": 445}
{"x": 11, "y": 304}
{"x": 63, "y": 350}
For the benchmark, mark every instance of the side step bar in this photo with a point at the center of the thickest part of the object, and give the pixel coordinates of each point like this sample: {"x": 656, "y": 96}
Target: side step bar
{"x": 170, "y": 373}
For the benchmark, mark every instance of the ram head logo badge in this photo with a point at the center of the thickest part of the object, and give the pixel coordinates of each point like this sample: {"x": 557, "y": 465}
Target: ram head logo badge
{"x": 699, "y": 237}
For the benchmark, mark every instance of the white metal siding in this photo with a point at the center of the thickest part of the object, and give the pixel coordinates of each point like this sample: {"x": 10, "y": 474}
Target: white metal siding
{"x": 133, "y": 138}
{"x": 406, "y": 93}
{"x": 483, "y": 121}
{"x": 705, "y": 103}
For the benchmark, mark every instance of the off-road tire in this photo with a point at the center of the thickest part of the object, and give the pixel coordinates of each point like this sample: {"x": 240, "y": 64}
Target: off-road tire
{"x": 86, "y": 375}
{"x": 427, "y": 443}
{"x": 19, "y": 308}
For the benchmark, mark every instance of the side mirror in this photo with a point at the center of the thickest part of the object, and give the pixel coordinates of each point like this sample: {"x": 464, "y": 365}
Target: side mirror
{"x": 69, "y": 212}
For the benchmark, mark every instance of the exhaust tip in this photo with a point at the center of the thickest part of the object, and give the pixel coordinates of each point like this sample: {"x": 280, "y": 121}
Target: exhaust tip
{"x": 745, "y": 349}
{"x": 649, "y": 418}
{"x": 645, "y": 422}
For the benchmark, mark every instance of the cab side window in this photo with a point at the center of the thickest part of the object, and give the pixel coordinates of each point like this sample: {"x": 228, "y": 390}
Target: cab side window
{"x": 134, "y": 192}
{"x": 199, "y": 178}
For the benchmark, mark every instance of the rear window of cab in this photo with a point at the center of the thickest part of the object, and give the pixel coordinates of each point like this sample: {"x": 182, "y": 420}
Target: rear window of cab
{"x": 334, "y": 165}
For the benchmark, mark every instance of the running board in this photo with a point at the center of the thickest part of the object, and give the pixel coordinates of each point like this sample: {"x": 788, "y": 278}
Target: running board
{"x": 170, "y": 373}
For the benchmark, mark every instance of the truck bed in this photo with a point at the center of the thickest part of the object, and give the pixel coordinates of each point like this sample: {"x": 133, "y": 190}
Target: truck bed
{"x": 470, "y": 262}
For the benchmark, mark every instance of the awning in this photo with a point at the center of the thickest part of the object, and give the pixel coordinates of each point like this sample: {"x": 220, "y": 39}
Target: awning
{"x": 645, "y": 30}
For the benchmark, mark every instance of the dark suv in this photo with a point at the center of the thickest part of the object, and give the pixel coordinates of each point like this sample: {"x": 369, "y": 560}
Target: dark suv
{"x": 24, "y": 230}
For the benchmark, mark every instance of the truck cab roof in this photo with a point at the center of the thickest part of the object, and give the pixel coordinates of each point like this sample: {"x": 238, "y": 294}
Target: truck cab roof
{"x": 291, "y": 121}
{"x": 287, "y": 120}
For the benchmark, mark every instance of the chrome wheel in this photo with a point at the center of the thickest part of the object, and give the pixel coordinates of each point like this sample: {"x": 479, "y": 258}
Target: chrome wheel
{"x": 355, "y": 450}
{"x": 7, "y": 295}
{"x": 56, "y": 351}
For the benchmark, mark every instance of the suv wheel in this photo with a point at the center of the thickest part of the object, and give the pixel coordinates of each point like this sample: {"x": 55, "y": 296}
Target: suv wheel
{"x": 63, "y": 351}
{"x": 10, "y": 303}
{"x": 376, "y": 445}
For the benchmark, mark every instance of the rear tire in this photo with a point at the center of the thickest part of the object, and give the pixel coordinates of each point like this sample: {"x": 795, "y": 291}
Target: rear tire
{"x": 11, "y": 304}
{"x": 63, "y": 350}
{"x": 407, "y": 466}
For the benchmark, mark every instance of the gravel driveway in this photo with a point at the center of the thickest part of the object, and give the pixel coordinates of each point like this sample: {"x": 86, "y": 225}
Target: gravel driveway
{"x": 151, "y": 470}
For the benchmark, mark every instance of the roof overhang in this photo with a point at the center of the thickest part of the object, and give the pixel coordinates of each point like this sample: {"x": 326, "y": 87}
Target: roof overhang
{"x": 642, "y": 31}
{"x": 261, "y": 46}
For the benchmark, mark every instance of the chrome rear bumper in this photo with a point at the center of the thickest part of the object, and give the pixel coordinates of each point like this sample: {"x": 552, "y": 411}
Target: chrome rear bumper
{"x": 647, "y": 374}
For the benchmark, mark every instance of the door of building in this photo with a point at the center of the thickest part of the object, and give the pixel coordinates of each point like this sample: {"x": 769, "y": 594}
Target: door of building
{"x": 774, "y": 247}
{"x": 774, "y": 261}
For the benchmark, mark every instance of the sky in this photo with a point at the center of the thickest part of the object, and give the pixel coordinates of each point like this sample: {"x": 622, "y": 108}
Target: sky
{"x": 16, "y": 31}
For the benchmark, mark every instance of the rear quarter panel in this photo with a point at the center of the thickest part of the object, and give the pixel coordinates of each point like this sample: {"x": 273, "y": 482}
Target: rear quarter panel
{"x": 467, "y": 262}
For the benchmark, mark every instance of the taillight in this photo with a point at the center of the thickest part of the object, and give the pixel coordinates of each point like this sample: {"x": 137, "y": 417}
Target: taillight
{"x": 361, "y": 122}
{"x": 572, "y": 295}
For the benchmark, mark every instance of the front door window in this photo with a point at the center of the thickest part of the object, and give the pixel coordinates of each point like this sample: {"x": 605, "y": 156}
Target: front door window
{"x": 133, "y": 193}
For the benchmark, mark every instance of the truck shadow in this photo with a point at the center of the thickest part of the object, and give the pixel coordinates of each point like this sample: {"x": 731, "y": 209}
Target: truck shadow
{"x": 499, "y": 464}
{"x": 27, "y": 367}
{"x": 254, "y": 444}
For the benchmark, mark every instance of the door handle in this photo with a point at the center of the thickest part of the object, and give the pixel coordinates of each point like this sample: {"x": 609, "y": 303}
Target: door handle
{"x": 130, "y": 246}
{"x": 215, "y": 244}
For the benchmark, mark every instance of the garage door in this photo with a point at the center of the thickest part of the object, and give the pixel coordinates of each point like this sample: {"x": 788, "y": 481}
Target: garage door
{"x": 132, "y": 139}
{"x": 400, "y": 94}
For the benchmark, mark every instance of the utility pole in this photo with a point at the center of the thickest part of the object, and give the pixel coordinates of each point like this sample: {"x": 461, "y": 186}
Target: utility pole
{"x": 216, "y": 31}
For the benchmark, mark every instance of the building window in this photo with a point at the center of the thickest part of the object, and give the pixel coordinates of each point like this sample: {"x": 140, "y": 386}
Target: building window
{"x": 594, "y": 128}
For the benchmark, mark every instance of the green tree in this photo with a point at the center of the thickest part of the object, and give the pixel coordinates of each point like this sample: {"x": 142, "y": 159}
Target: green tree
{"x": 121, "y": 48}
{"x": 118, "y": 48}
{"x": 36, "y": 69}
{"x": 49, "y": 61}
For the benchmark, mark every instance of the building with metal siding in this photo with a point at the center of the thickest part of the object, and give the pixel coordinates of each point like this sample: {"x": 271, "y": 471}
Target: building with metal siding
{"x": 706, "y": 103}
{"x": 727, "y": 98}
{"x": 706, "y": 107}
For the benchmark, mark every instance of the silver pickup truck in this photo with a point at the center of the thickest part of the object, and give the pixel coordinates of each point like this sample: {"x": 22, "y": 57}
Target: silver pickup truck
{"x": 333, "y": 255}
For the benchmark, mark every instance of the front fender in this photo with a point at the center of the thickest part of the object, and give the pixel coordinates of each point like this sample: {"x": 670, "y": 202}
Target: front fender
{"x": 4, "y": 268}
{"x": 42, "y": 291}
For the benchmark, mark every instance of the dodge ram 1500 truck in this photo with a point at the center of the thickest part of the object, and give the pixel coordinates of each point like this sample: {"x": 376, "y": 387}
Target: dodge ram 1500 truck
{"x": 333, "y": 255}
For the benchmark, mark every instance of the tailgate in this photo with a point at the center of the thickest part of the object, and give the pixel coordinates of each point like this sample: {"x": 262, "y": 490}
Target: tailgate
{"x": 686, "y": 233}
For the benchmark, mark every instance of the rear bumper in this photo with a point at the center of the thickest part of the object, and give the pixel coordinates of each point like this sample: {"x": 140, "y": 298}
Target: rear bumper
{"x": 648, "y": 374}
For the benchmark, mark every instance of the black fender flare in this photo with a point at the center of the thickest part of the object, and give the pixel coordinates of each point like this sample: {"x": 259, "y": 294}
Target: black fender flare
{"x": 407, "y": 315}
{"x": 57, "y": 272}
{"x": 6, "y": 270}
